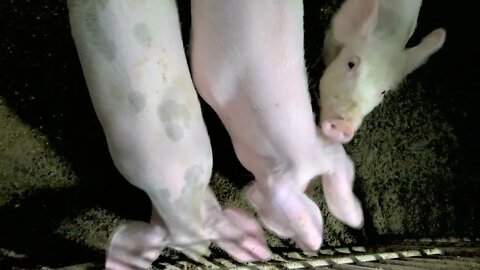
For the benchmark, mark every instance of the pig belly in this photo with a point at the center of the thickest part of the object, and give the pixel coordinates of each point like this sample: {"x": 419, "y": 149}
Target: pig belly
{"x": 135, "y": 68}
{"x": 247, "y": 63}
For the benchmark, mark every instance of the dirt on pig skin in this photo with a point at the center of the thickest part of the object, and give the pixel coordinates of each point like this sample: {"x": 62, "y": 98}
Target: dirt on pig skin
{"x": 417, "y": 170}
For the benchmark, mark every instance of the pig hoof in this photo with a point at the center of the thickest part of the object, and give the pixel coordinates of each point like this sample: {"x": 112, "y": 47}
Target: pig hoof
{"x": 135, "y": 245}
{"x": 350, "y": 213}
{"x": 241, "y": 236}
{"x": 195, "y": 251}
{"x": 291, "y": 215}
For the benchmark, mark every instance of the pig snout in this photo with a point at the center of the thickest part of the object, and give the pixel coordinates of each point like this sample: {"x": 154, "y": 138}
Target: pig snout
{"x": 337, "y": 129}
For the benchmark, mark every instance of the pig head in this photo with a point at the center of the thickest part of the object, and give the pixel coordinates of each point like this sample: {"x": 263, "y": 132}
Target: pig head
{"x": 365, "y": 57}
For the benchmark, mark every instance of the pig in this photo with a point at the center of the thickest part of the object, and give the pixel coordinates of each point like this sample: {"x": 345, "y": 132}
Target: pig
{"x": 365, "y": 56}
{"x": 135, "y": 68}
{"x": 247, "y": 63}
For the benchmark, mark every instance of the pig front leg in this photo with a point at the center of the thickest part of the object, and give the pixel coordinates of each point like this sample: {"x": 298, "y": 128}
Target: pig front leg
{"x": 338, "y": 190}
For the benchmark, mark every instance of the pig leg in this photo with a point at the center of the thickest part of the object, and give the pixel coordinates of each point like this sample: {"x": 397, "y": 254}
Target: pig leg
{"x": 284, "y": 208}
{"x": 231, "y": 229}
{"x": 137, "y": 244}
{"x": 282, "y": 205}
{"x": 133, "y": 61}
{"x": 289, "y": 213}
{"x": 254, "y": 78}
{"x": 235, "y": 231}
{"x": 338, "y": 191}
{"x": 337, "y": 186}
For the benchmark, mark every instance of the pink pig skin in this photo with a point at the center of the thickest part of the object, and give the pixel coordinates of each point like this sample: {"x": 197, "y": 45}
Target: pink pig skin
{"x": 136, "y": 71}
{"x": 248, "y": 64}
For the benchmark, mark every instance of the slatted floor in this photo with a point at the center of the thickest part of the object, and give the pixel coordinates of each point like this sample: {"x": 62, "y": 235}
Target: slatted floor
{"x": 447, "y": 253}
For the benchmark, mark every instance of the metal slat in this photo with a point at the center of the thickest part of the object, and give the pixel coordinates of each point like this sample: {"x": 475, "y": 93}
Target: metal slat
{"x": 464, "y": 251}
{"x": 378, "y": 265}
{"x": 350, "y": 267}
{"x": 416, "y": 264}
{"x": 446, "y": 262}
{"x": 457, "y": 258}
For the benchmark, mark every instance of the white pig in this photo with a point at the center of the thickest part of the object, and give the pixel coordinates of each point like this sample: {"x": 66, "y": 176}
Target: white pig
{"x": 247, "y": 61}
{"x": 365, "y": 55}
{"x": 133, "y": 61}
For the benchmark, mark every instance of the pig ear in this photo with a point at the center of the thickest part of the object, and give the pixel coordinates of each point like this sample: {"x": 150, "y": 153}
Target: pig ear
{"x": 418, "y": 55}
{"x": 355, "y": 18}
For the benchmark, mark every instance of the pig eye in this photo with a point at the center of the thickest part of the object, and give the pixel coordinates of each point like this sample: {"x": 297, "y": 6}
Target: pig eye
{"x": 353, "y": 62}
{"x": 383, "y": 92}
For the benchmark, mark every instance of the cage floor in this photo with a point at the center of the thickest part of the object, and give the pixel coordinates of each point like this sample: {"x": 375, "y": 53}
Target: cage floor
{"x": 445, "y": 253}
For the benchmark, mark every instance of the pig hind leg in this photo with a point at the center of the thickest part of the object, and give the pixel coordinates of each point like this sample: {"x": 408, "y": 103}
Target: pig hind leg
{"x": 135, "y": 245}
{"x": 234, "y": 231}
{"x": 135, "y": 68}
{"x": 289, "y": 213}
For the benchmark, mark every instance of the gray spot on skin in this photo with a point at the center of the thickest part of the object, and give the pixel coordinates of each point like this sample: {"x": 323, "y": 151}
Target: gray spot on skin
{"x": 187, "y": 206}
{"x": 102, "y": 4}
{"x": 175, "y": 117}
{"x": 170, "y": 111}
{"x": 192, "y": 174}
{"x": 185, "y": 211}
{"x": 174, "y": 131}
{"x": 193, "y": 185}
{"x": 99, "y": 36}
{"x": 143, "y": 34}
{"x": 136, "y": 101}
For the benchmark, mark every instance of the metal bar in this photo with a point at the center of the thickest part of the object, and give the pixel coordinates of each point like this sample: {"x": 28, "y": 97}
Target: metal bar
{"x": 416, "y": 264}
{"x": 457, "y": 258}
{"x": 379, "y": 265}
{"x": 445, "y": 261}
{"x": 350, "y": 267}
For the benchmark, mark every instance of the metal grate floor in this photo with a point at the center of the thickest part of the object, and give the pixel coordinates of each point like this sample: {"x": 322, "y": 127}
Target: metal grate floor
{"x": 447, "y": 253}
{"x": 444, "y": 253}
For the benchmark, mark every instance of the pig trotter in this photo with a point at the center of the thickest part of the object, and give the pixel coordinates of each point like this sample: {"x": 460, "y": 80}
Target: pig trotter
{"x": 241, "y": 236}
{"x": 288, "y": 213}
{"x": 135, "y": 245}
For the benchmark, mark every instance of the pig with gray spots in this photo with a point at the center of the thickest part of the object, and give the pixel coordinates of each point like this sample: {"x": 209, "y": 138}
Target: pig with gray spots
{"x": 133, "y": 61}
{"x": 365, "y": 55}
{"x": 248, "y": 64}
{"x": 247, "y": 60}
